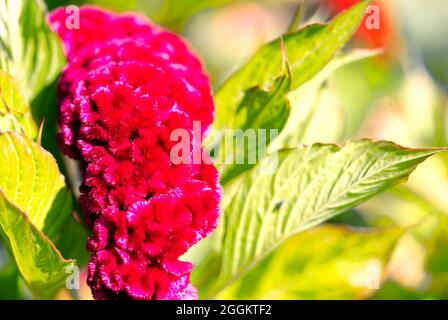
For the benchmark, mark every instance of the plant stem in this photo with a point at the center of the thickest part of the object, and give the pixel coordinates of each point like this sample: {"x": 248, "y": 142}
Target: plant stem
{"x": 298, "y": 16}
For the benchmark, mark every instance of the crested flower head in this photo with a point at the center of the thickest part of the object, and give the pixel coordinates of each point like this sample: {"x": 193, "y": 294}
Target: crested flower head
{"x": 128, "y": 85}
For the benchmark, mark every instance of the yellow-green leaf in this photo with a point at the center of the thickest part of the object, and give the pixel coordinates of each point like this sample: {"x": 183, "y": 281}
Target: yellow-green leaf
{"x": 241, "y": 148}
{"x": 294, "y": 191}
{"x": 308, "y": 51}
{"x": 29, "y": 51}
{"x": 30, "y": 179}
{"x": 39, "y": 262}
{"x": 327, "y": 262}
{"x": 15, "y": 113}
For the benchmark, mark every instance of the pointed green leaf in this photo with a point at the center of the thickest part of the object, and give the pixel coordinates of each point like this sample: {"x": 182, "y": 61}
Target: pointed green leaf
{"x": 32, "y": 54}
{"x": 349, "y": 264}
{"x": 308, "y": 186}
{"x": 307, "y": 105}
{"x": 257, "y": 115}
{"x": 255, "y": 97}
{"x": 289, "y": 113}
{"x": 15, "y": 113}
{"x": 30, "y": 179}
{"x": 308, "y": 51}
{"x": 29, "y": 51}
{"x": 38, "y": 260}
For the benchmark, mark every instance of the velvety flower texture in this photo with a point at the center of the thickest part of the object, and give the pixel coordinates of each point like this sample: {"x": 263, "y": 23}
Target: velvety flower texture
{"x": 127, "y": 86}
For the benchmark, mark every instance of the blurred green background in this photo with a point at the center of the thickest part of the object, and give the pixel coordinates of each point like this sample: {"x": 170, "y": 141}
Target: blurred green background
{"x": 400, "y": 95}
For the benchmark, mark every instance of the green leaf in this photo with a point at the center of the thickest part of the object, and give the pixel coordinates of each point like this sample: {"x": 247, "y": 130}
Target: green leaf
{"x": 349, "y": 264}
{"x": 308, "y": 51}
{"x": 10, "y": 280}
{"x": 15, "y": 113}
{"x": 308, "y": 186}
{"x": 39, "y": 262}
{"x": 174, "y": 13}
{"x": 437, "y": 260}
{"x": 115, "y": 5}
{"x": 308, "y": 105}
{"x": 395, "y": 291}
{"x": 32, "y": 54}
{"x": 74, "y": 229}
{"x": 11, "y": 284}
{"x": 436, "y": 266}
{"x": 241, "y": 148}
{"x": 290, "y": 114}
{"x": 29, "y": 51}
{"x": 255, "y": 97}
{"x": 30, "y": 179}
{"x": 170, "y": 13}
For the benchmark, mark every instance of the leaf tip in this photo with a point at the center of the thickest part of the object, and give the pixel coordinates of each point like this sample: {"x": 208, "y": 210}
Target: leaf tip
{"x": 286, "y": 66}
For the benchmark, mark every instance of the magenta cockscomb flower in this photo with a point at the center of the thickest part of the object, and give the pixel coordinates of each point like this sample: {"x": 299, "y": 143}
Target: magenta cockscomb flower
{"x": 127, "y": 86}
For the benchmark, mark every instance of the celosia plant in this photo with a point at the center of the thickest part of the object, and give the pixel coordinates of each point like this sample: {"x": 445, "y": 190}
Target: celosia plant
{"x": 130, "y": 93}
{"x": 127, "y": 86}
